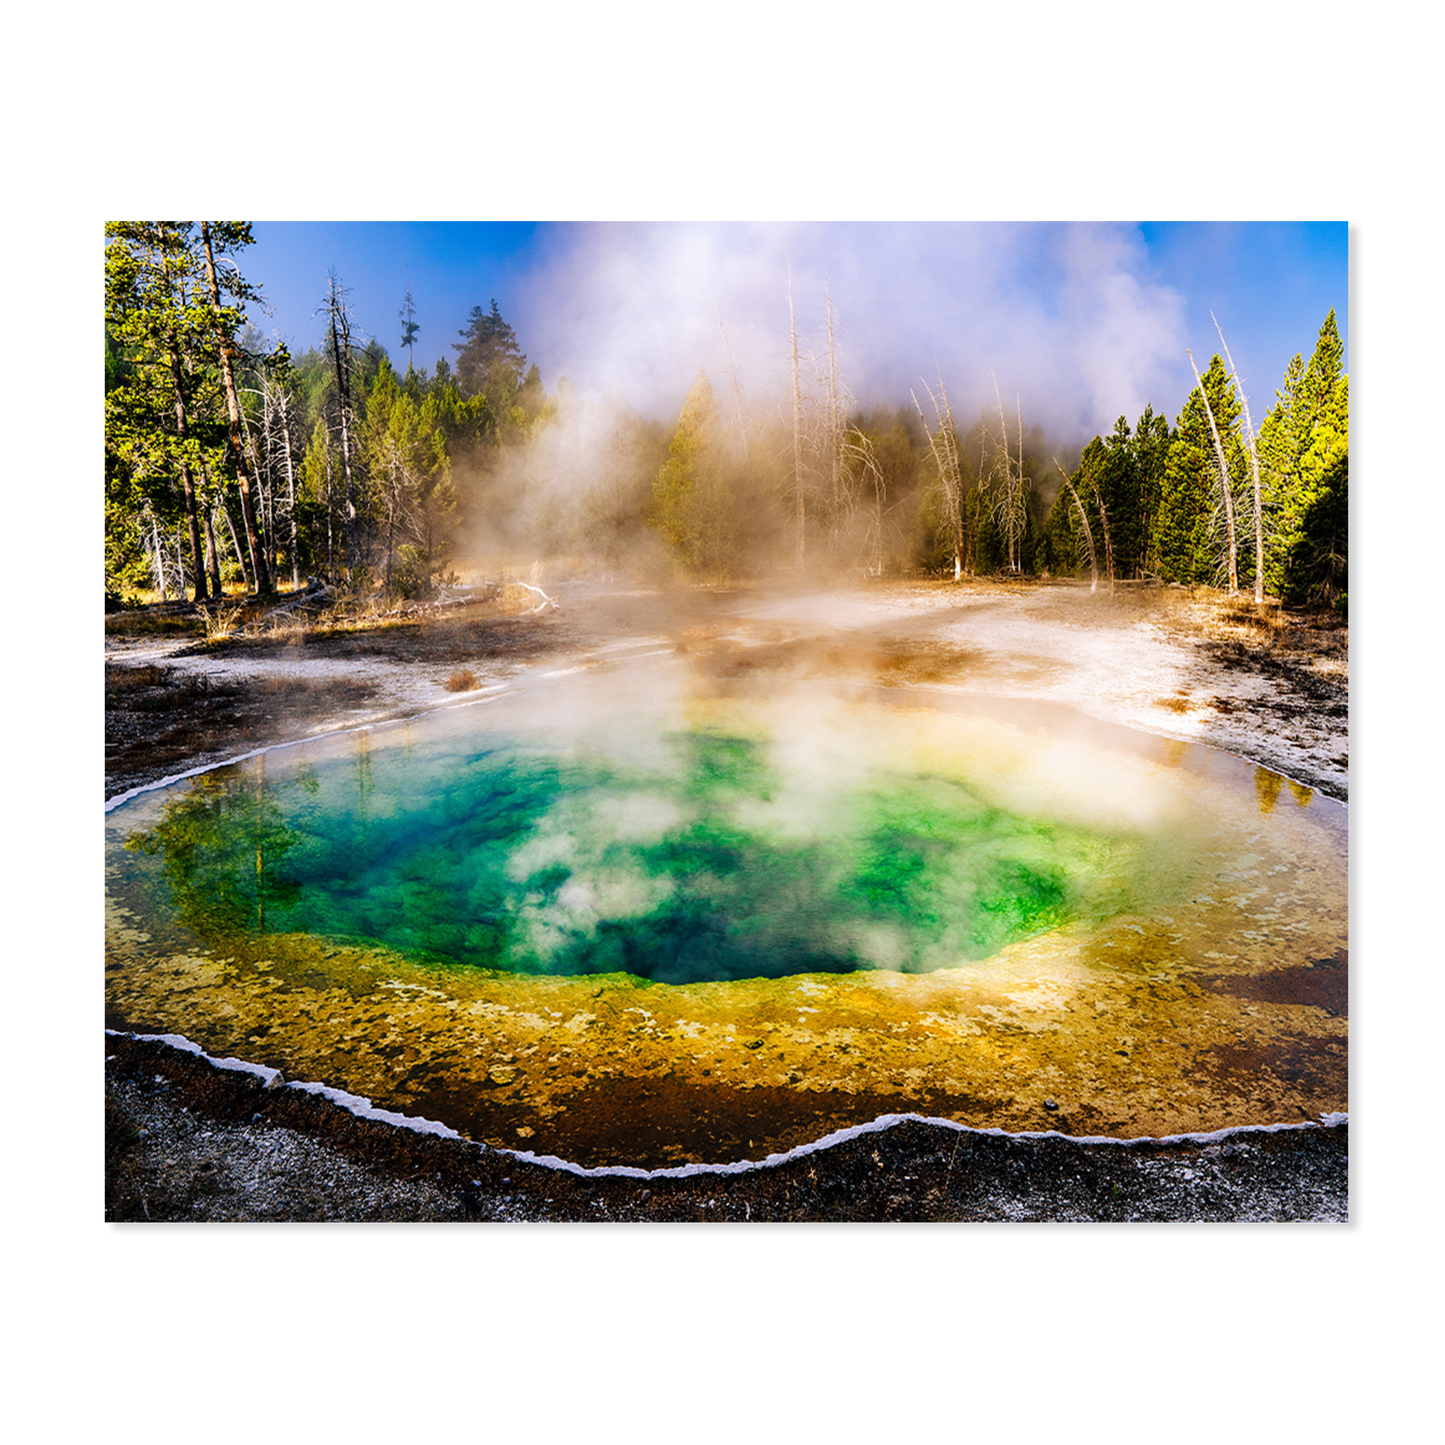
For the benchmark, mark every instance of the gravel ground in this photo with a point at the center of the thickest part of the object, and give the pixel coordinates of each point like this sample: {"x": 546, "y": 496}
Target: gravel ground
{"x": 188, "y": 1141}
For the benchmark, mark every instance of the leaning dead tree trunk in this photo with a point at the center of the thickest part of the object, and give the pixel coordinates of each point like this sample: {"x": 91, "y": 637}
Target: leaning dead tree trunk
{"x": 1223, "y": 482}
{"x": 1088, "y": 534}
{"x": 546, "y": 601}
{"x": 1254, "y": 468}
{"x": 316, "y": 595}
{"x": 1108, "y": 541}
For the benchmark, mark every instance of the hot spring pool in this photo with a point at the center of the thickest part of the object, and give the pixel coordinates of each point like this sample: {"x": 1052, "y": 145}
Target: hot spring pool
{"x": 624, "y": 918}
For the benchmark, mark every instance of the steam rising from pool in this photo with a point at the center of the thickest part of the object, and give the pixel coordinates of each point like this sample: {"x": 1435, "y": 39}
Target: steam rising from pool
{"x": 732, "y": 859}
{"x": 447, "y": 917}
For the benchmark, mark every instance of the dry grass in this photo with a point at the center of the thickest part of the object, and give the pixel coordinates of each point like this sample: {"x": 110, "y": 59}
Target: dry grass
{"x": 308, "y": 693}
{"x": 137, "y": 679}
{"x": 463, "y": 680}
{"x": 293, "y": 631}
{"x": 1215, "y": 617}
{"x": 151, "y": 688}
{"x": 145, "y": 624}
{"x": 221, "y": 621}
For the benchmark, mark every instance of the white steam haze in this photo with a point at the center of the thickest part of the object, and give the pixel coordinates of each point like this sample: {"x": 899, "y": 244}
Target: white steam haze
{"x": 1084, "y": 321}
{"x": 1080, "y": 322}
{"x": 1064, "y": 316}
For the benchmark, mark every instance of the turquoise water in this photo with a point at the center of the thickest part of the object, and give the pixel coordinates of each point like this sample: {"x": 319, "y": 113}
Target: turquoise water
{"x": 703, "y": 858}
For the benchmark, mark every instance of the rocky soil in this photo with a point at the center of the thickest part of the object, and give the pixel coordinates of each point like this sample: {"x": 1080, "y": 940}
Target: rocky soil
{"x": 188, "y": 1141}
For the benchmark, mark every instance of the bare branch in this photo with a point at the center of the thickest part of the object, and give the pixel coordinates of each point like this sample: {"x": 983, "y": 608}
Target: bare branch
{"x": 1088, "y": 534}
{"x": 943, "y": 443}
{"x": 1223, "y": 480}
{"x": 1254, "y": 468}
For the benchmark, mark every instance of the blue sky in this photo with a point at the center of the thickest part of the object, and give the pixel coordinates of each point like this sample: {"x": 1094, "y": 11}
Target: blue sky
{"x": 1081, "y": 322}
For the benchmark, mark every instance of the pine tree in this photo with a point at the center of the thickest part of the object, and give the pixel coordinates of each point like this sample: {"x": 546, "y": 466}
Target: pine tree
{"x": 151, "y": 284}
{"x": 409, "y": 327}
{"x": 489, "y": 361}
{"x": 678, "y": 482}
{"x": 1189, "y": 538}
{"x": 1152, "y": 440}
{"x": 412, "y": 493}
{"x": 692, "y": 501}
{"x": 1304, "y": 454}
{"x": 1116, "y": 491}
{"x": 320, "y": 467}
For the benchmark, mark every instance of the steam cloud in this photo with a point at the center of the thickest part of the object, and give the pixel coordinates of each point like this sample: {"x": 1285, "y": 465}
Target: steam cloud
{"x": 1064, "y": 315}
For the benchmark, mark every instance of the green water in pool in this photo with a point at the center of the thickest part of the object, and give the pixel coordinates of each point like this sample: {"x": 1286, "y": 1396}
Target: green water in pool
{"x": 703, "y": 857}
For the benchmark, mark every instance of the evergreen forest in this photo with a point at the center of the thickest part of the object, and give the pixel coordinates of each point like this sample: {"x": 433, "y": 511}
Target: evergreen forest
{"x": 233, "y": 467}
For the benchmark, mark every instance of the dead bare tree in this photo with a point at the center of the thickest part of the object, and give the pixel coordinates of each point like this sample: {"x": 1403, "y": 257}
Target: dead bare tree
{"x": 830, "y": 441}
{"x": 1233, "y": 554}
{"x": 822, "y": 411}
{"x": 158, "y": 555}
{"x": 1254, "y": 468}
{"x": 860, "y": 446}
{"x": 284, "y": 398}
{"x": 943, "y": 443}
{"x": 1011, "y": 508}
{"x": 276, "y": 444}
{"x": 339, "y": 333}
